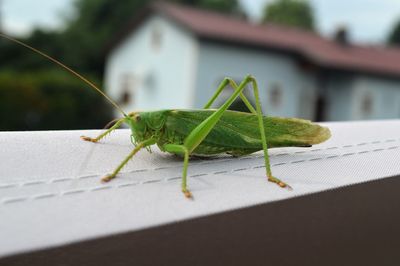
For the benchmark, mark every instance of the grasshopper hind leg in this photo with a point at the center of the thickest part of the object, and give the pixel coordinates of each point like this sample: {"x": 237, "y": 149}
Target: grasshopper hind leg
{"x": 257, "y": 111}
{"x": 181, "y": 150}
{"x": 279, "y": 182}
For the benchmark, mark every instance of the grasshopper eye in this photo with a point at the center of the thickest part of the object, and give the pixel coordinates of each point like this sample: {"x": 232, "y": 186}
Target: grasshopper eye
{"x": 137, "y": 118}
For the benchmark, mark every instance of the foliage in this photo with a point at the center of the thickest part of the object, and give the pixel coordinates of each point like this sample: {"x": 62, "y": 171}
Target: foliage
{"x": 296, "y": 13}
{"x": 394, "y": 36}
{"x": 223, "y": 6}
{"x": 17, "y": 58}
{"x": 49, "y": 100}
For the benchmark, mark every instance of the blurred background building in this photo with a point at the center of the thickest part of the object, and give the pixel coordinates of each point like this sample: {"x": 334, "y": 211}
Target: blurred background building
{"x": 174, "y": 54}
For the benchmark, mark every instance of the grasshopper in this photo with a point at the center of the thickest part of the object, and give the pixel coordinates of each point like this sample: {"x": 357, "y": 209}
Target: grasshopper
{"x": 207, "y": 131}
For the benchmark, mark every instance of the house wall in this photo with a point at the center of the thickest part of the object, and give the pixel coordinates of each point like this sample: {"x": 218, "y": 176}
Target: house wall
{"x": 156, "y": 78}
{"x": 375, "y": 98}
{"x": 361, "y": 97}
{"x": 272, "y": 70}
{"x": 338, "y": 93}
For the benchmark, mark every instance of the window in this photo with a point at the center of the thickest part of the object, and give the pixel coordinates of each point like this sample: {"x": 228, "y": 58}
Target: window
{"x": 366, "y": 104}
{"x": 307, "y": 102}
{"x": 275, "y": 95}
{"x": 156, "y": 37}
{"x": 127, "y": 89}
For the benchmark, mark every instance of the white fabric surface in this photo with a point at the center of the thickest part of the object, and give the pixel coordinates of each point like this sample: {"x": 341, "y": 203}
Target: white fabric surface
{"x": 50, "y": 192}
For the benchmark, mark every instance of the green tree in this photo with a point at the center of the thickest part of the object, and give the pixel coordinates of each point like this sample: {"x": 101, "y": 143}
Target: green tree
{"x": 223, "y": 6}
{"x": 296, "y": 13}
{"x": 394, "y": 36}
{"x": 49, "y": 100}
{"x": 17, "y": 58}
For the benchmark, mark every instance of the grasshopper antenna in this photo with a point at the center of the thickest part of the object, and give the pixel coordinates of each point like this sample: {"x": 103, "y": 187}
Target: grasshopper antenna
{"x": 66, "y": 68}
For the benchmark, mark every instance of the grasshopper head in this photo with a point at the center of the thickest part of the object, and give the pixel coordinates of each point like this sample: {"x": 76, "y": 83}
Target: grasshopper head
{"x": 137, "y": 126}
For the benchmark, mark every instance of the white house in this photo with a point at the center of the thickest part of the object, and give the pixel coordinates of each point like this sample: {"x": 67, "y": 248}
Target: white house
{"x": 171, "y": 56}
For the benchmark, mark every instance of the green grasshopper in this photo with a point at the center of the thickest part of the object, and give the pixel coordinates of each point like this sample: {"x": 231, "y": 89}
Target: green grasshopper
{"x": 206, "y": 131}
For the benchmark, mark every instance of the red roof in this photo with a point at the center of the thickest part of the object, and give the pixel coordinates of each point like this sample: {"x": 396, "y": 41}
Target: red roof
{"x": 320, "y": 51}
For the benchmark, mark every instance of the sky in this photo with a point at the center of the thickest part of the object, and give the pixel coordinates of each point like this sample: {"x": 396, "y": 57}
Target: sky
{"x": 368, "y": 21}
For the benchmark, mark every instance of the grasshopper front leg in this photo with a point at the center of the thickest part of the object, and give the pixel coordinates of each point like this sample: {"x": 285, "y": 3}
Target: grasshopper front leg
{"x": 105, "y": 133}
{"x": 127, "y": 158}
